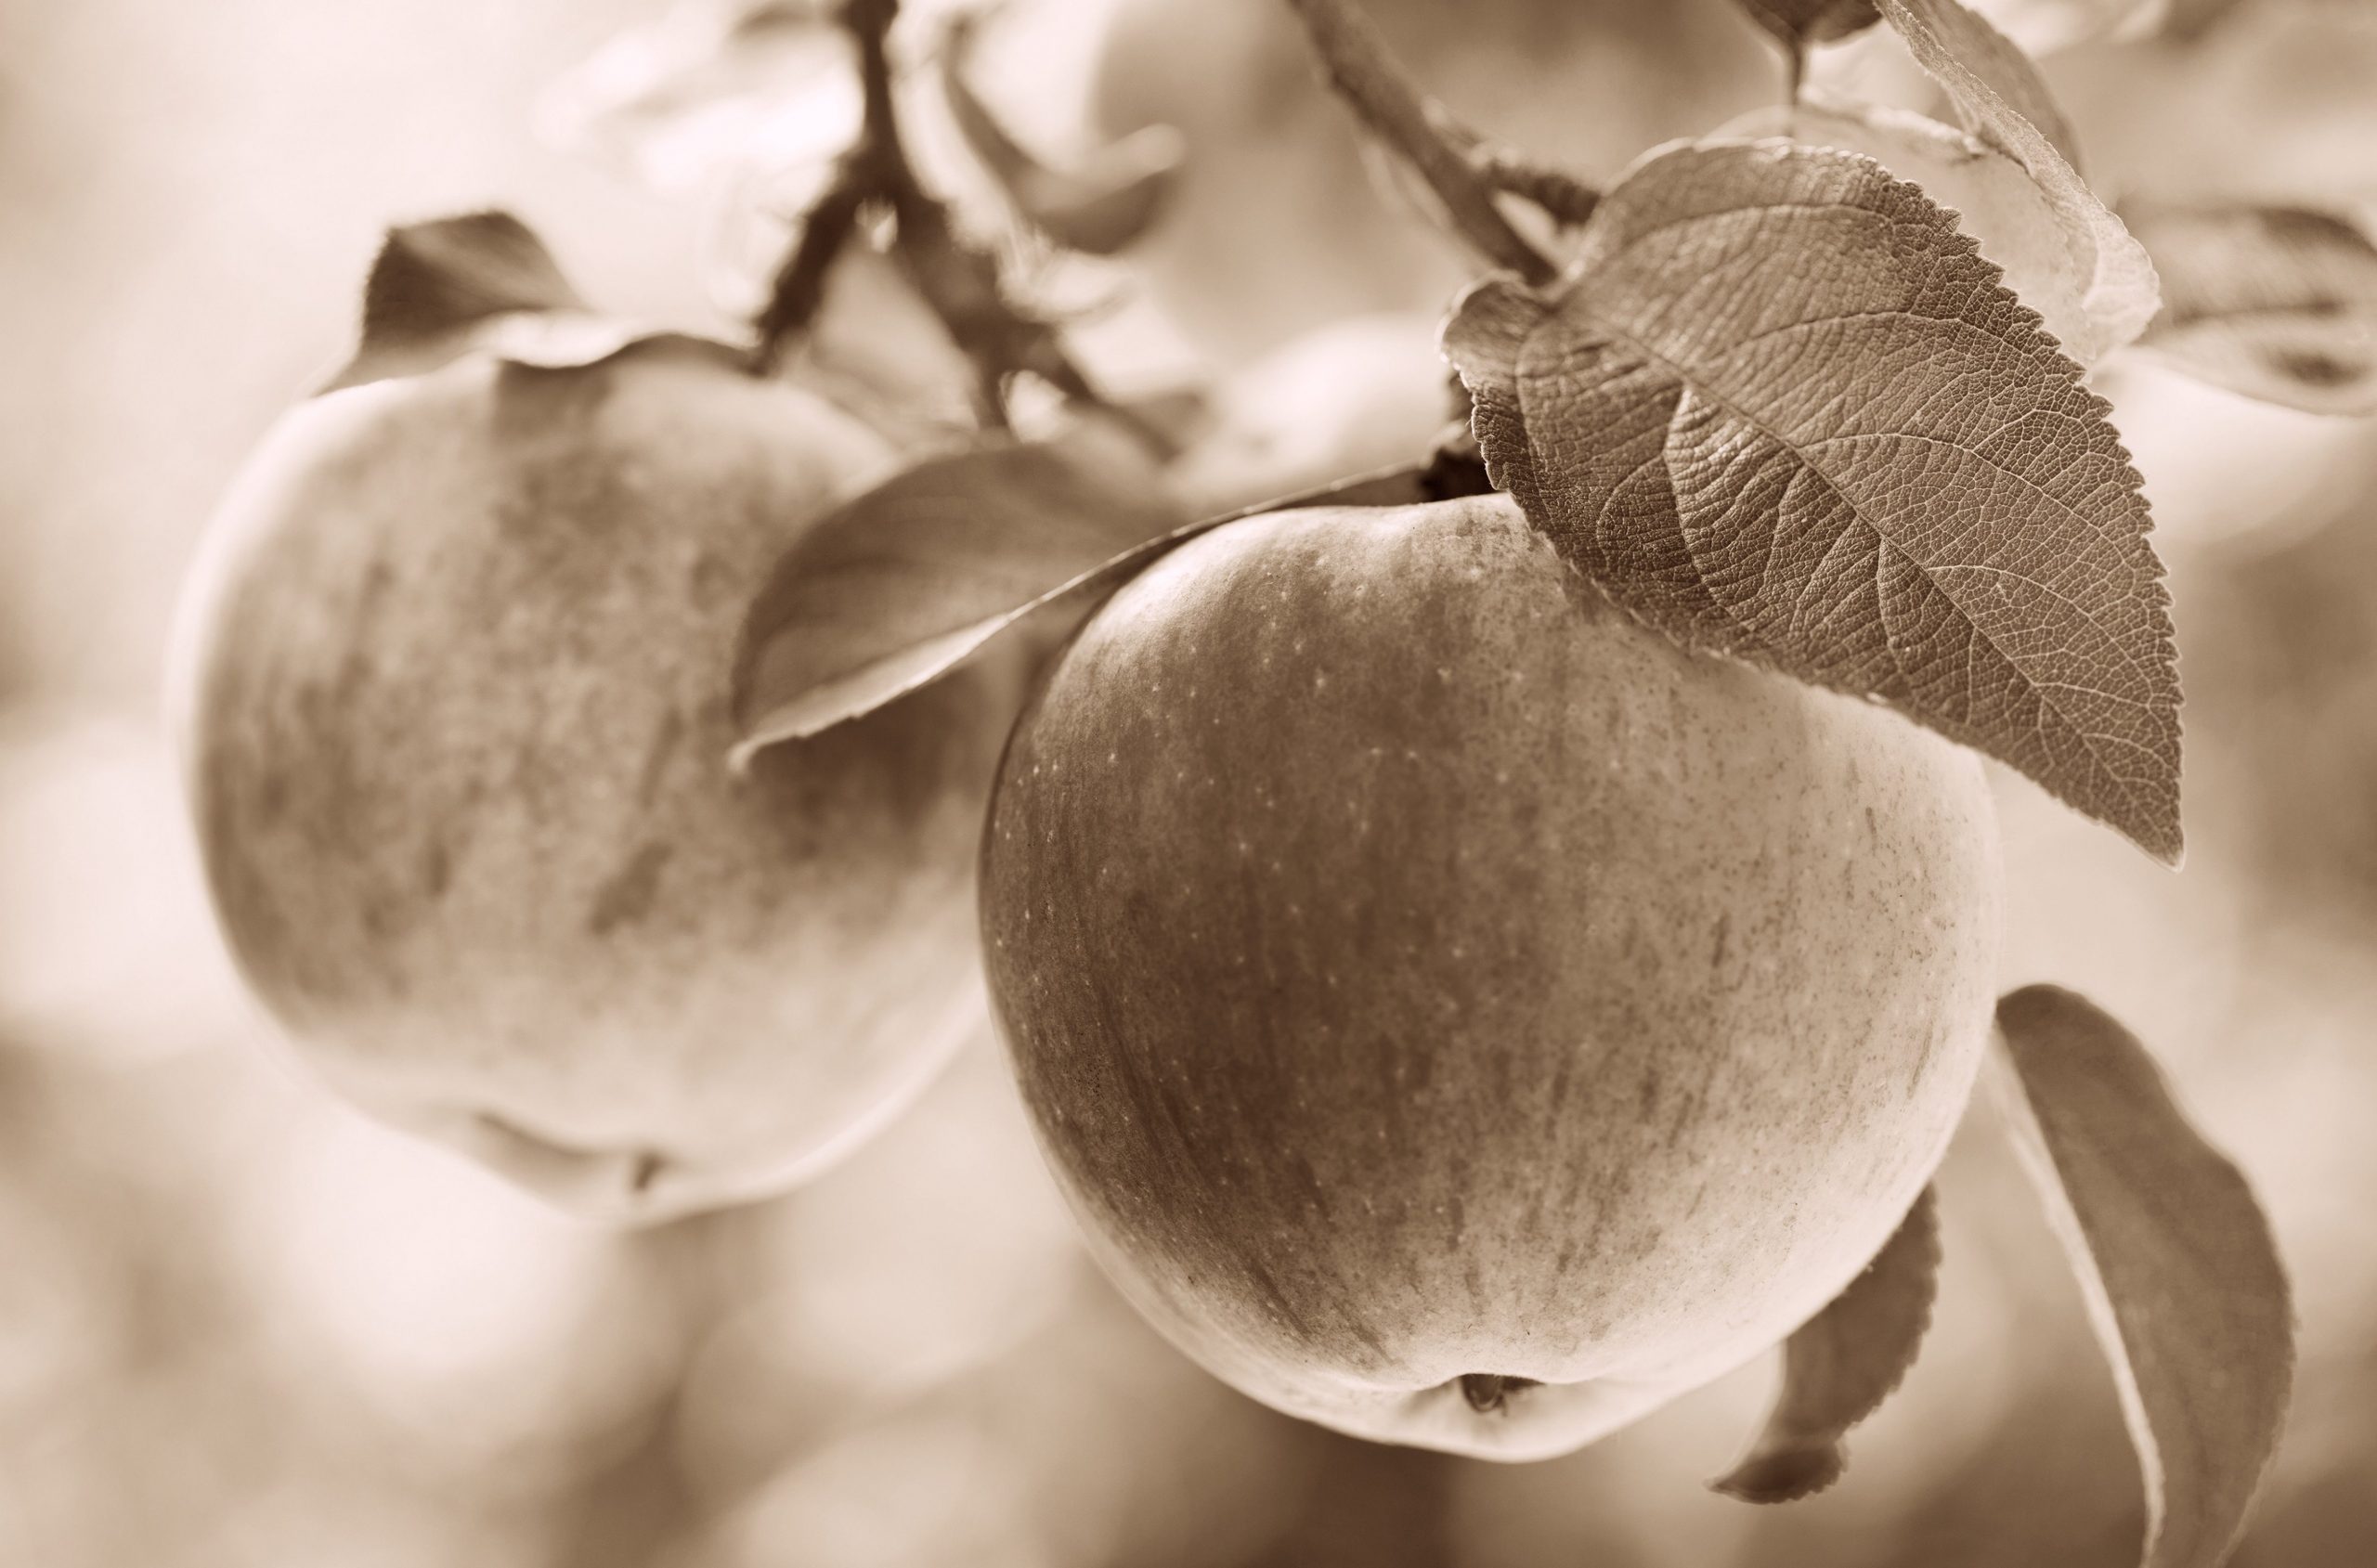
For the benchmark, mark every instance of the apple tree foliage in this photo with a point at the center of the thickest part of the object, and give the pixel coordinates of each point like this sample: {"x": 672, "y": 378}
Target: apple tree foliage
{"x": 1811, "y": 393}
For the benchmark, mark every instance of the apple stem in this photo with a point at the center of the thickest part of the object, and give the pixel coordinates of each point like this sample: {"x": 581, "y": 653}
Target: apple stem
{"x": 959, "y": 279}
{"x": 1383, "y": 95}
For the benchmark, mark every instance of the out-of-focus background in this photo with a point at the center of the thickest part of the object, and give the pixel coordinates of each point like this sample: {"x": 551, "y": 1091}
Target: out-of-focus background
{"x": 242, "y": 1326}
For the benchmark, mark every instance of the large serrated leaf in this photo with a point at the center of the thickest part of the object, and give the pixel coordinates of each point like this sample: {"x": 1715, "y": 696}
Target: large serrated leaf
{"x": 2003, "y": 100}
{"x": 2174, "y": 1257}
{"x": 1841, "y": 1364}
{"x": 2049, "y": 267}
{"x": 2275, "y": 301}
{"x": 1783, "y": 410}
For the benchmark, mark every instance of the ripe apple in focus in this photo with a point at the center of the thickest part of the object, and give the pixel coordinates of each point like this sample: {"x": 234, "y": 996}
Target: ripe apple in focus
{"x": 453, "y": 688}
{"x": 1457, "y": 1015}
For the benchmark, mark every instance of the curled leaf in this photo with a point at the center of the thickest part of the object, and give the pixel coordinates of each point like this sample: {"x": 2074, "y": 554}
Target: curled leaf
{"x": 1783, "y": 410}
{"x": 903, "y": 583}
{"x": 1995, "y": 86}
{"x": 482, "y": 282}
{"x": 1098, "y": 205}
{"x": 2005, "y": 103}
{"x": 2275, "y": 301}
{"x": 2175, "y": 1260}
{"x": 1841, "y": 1364}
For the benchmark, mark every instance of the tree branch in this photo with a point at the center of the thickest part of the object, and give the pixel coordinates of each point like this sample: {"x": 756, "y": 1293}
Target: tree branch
{"x": 1382, "y": 95}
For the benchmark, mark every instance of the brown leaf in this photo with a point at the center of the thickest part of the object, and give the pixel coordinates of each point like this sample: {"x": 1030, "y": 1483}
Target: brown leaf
{"x": 1783, "y": 411}
{"x": 1841, "y": 1364}
{"x": 2005, "y": 102}
{"x": 900, "y": 585}
{"x": 1802, "y": 22}
{"x": 482, "y": 282}
{"x": 2278, "y": 303}
{"x": 2181, "y": 1274}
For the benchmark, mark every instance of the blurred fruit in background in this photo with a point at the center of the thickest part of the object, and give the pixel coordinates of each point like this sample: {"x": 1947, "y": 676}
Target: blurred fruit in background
{"x": 453, "y": 703}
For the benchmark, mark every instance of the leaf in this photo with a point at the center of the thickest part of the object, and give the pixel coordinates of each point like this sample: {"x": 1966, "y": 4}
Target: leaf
{"x": 480, "y": 283}
{"x": 1841, "y": 1364}
{"x": 1995, "y": 86}
{"x": 903, "y": 583}
{"x": 2278, "y": 303}
{"x": 1800, "y": 22}
{"x": 1099, "y": 206}
{"x": 1783, "y": 411}
{"x": 2005, "y": 102}
{"x": 2181, "y": 1274}
{"x": 2047, "y": 265}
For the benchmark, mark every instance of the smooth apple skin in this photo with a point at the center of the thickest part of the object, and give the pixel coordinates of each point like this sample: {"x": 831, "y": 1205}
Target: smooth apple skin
{"x": 452, "y": 687}
{"x": 1415, "y": 967}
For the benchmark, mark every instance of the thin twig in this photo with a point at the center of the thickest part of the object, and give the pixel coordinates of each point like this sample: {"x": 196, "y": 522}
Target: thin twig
{"x": 1363, "y": 72}
{"x": 800, "y": 287}
{"x": 959, "y": 279}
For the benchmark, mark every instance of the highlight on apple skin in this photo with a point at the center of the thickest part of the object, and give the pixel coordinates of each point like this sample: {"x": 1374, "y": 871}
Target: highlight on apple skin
{"x": 1458, "y": 1014}
{"x": 452, "y": 688}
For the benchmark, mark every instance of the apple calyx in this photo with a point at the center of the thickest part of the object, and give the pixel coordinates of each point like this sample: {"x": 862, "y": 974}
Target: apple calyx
{"x": 1489, "y": 1392}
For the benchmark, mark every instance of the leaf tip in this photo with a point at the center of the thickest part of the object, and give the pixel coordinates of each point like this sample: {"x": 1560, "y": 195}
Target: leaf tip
{"x": 1784, "y": 1475}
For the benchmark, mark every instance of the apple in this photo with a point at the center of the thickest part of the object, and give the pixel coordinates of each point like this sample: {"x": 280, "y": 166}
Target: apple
{"x": 1342, "y": 399}
{"x": 1279, "y": 223}
{"x": 452, "y": 687}
{"x": 1457, "y": 1013}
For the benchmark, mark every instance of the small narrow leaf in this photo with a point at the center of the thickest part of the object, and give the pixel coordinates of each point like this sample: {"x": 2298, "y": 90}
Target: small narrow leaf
{"x": 903, "y": 583}
{"x": 1800, "y": 22}
{"x": 1097, "y": 207}
{"x": 1841, "y": 1364}
{"x": 2005, "y": 102}
{"x": 2277, "y": 303}
{"x": 1783, "y": 411}
{"x": 482, "y": 282}
{"x": 2182, "y": 1277}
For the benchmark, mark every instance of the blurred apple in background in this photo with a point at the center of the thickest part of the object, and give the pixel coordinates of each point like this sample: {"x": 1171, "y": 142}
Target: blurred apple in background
{"x": 1306, "y": 1019}
{"x": 455, "y": 717}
